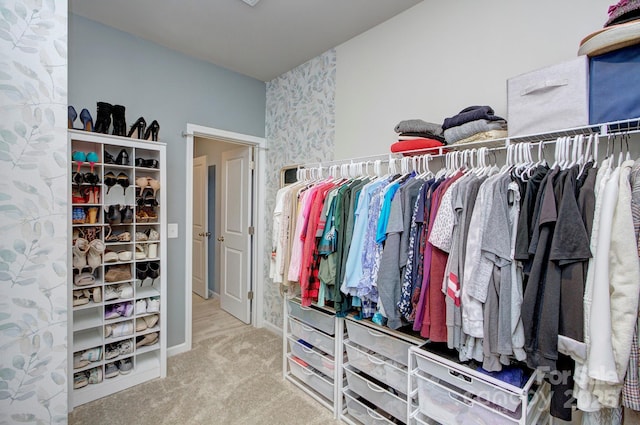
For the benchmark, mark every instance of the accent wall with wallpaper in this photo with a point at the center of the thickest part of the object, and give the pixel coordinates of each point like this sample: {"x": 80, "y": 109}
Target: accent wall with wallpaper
{"x": 33, "y": 211}
{"x": 300, "y": 123}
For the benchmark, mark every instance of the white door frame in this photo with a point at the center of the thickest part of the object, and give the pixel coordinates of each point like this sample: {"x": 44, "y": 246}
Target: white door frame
{"x": 259, "y": 143}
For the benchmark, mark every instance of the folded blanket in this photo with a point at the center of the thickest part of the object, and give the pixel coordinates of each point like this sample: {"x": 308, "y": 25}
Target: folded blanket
{"x": 470, "y": 128}
{"x": 485, "y": 135}
{"x": 470, "y": 113}
{"x": 418, "y": 126}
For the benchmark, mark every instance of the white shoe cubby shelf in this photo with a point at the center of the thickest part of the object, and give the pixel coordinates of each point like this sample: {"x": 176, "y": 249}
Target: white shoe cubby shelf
{"x": 117, "y": 252}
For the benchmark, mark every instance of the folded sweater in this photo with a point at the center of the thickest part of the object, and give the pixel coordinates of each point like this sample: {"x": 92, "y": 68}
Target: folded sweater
{"x": 418, "y": 126}
{"x": 470, "y": 128}
{"x": 470, "y": 113}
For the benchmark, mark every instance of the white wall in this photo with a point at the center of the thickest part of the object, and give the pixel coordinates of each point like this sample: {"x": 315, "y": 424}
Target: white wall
{"x": 441, "y": 56}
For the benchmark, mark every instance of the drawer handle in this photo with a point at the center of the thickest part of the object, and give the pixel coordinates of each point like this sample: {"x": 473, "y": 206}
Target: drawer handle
{"x": 305, "y": 349}
{"x": 374, "y": 415}
{"x": 306, "y": 371}
{"x": 376, "y": 334}
{"x": 374, "y": 388}
{"x": 374, "y": 360}
{"x": 306, "y": 328}
{"x": 460, "y": 400}
{"x": 460, "y": 376}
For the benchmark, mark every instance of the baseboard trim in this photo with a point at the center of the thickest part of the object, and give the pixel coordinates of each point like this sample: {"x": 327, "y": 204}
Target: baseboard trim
{"x": 213, "y": 294}
{"x": 177, "y": 349}
{"x": 272, "y": 328}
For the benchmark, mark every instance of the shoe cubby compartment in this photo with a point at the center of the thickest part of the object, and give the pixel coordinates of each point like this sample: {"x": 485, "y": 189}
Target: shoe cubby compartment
{"x": 87, "y": 318}
{"x": 119, "y": 292}
{"x": 312, "y": 316}
{"x": 394, "y": 404}
{"x": 118, "y": 273}
{"x": 146, "y": 342}
{"x": 377, "y": 366}
{"x": 315, "y": 380}
{"x": 314, "y": 337}
{"x": 118, "y": 331}
{"x": 363, "y": 411}
{"x": 146, "y": 159}
{"x": 392, "y": 348}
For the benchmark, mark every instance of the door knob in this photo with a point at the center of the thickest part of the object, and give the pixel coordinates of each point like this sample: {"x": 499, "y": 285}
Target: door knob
{"x": 207, "y": 234}
{"x": 200, "y": 234}
{"x": 221, "y": 238}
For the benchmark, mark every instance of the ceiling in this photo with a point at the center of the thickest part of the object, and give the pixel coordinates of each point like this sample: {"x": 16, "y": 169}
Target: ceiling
{"x": 262, "y": 42}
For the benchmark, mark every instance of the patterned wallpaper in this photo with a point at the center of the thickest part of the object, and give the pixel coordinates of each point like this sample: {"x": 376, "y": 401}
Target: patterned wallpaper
{"x": 33, "y": 211}
{"x": 300, "y": 128}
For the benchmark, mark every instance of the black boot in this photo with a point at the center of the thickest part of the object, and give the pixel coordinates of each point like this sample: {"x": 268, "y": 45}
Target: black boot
{"x": 103, "y": 118}
{"x": 119, "y": 124}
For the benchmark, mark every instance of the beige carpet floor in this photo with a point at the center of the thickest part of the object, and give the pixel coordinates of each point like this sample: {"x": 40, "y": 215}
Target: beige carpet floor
{"x": 233, "y": 376}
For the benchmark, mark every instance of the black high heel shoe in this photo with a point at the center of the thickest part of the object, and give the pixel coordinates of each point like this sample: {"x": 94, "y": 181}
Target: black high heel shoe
{"x": 137, "y": 129}
{"x": 108, "y": 158}
{"x": 123, "y": 180}
{"x": 123, "y": 158}
{"x": 127, "y": 215}
{"x": 153, "y": 271}
{"x": 103, "y": 118}
{"x": 110, "y": 180}
{"x": 113, "y": 214}
{"x": 119, "y": 123}
{"x": 141, "y": 271}
{"x": 152, "y": 131}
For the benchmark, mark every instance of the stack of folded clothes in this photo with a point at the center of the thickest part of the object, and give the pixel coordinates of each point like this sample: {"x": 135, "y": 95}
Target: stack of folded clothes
{"x": 415, "y": 135}
{"x": 474, "y": 124}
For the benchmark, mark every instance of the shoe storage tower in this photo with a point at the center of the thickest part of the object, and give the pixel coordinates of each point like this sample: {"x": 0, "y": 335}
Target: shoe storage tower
{"x": 91, "y": 334}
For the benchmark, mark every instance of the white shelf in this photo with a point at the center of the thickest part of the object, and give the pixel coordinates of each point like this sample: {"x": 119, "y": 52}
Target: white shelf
{"x": 87, "y": 323}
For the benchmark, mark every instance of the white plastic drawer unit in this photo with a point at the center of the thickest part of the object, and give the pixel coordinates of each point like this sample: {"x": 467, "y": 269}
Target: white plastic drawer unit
{"x": 320, "y": 384}
{"x": 470, "y": 381}
{"x": 313, "y": 357}
{"x": 385, "y": 370}
{"x": 466, "y": 380}
{"x": 363, "y": 413}
{"x": 376, "y": 395}
{"x": 441, "y": 402}
{"x": 312, "y": 317}
{"x": 314, "y": 337}
{"x": 393, "y": 348}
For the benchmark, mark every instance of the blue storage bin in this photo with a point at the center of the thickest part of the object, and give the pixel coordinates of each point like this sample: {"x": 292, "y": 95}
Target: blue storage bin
{"x": 614, "y": 85}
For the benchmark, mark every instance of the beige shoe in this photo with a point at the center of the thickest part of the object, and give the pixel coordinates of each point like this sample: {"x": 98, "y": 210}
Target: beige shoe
{"x": 148, "y": 339}
{"x": 141, "y": 324}
{"x": 151, "y": 321}
{"x": 97, "y": 294}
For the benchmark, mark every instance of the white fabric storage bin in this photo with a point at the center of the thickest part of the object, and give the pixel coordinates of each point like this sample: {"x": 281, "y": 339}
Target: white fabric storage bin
{"x": 439, "y": 402}
{"x": 548, "y": 99}
{"x": 313, "y": 317}
{"x": 362, "y": 413}
{"x": 467, "y": 380}
{"x": 320, "y": 384}
{"x": 393, "y": 348}
{"x": 315, "y": 358}
{"x": 377, "y": 366}
{"x": 316, "y": 338}
{"x": 378, "y": 396}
